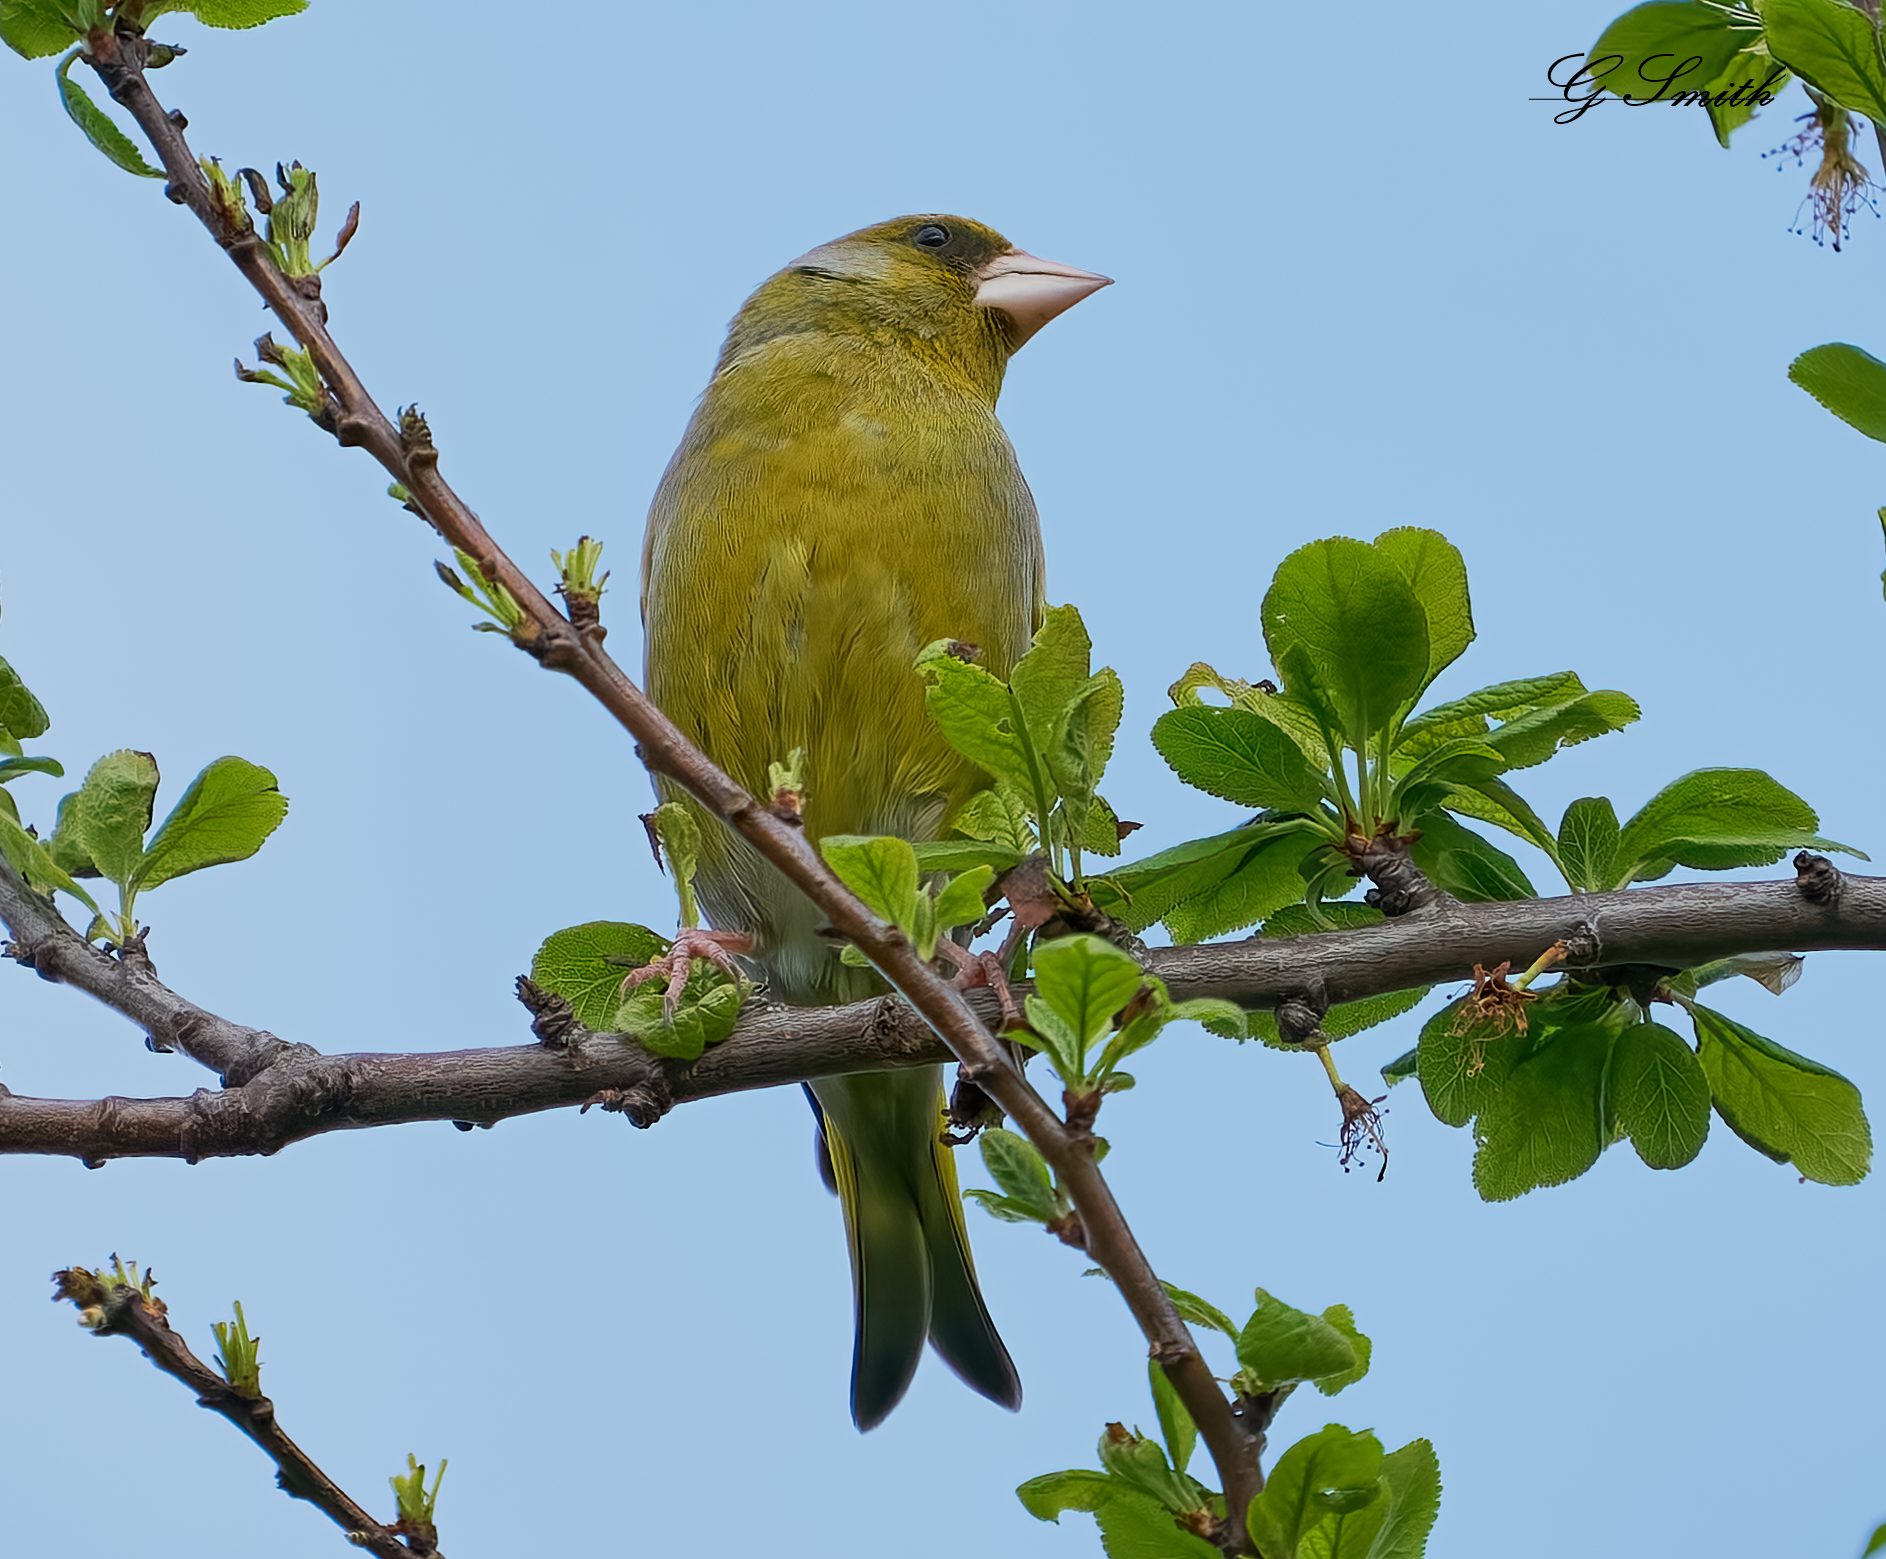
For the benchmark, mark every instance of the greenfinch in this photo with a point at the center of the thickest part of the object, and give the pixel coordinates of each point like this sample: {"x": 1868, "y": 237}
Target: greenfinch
{"x": 843, "y": 497}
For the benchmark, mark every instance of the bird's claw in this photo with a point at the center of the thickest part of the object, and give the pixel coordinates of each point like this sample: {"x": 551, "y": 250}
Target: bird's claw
{"x": 716, "y": 947}
{"x": 983, "y": 971}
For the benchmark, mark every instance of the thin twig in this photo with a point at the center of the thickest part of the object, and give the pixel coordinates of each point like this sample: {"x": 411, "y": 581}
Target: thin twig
{"x": 119, "y": 1309}
{"x": 408, "y": 456}
{"x": 128, "y": 984}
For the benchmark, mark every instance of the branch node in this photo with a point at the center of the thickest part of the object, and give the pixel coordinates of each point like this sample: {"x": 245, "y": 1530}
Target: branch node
{"x": 415, "y": 438}
{"x": 1400, "y": 886}
{"x": 1818, "y": 878}
{"x": 1300, "y": 1016}
{"x": 1069, "y": 1230}
{"x": 551, "y": 1017}
{"x": 643, "y": 1104}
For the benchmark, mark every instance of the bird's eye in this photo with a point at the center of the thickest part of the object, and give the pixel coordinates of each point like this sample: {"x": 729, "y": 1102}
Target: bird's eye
{"x": 932, "y": 235}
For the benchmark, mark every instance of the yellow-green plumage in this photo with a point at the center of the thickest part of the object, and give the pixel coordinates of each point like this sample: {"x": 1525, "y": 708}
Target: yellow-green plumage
{"x": 843, "y": 497}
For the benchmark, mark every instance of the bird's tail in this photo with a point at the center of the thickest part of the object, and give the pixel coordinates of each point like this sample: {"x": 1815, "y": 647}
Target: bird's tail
{"x": 912, "y": 1276}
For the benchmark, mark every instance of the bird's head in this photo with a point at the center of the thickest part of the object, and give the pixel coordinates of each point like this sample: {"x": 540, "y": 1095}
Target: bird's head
{"x": 942, "y": 286}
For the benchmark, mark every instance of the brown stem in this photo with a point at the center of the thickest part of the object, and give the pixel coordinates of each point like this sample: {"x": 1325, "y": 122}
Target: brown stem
{"x": 547, "y": 634}
{"x": 119, "y": 1309}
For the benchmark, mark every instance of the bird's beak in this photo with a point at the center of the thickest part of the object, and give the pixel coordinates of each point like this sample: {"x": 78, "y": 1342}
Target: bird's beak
{"x": 1030, "y": 291}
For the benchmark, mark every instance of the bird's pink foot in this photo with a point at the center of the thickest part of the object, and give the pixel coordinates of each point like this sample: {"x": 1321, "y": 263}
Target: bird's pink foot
{"x": 980, "y": 971}
{"x": 717, "y": 947}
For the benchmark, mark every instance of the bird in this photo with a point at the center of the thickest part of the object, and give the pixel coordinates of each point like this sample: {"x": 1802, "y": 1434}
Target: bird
{"x": 843, "y": 497}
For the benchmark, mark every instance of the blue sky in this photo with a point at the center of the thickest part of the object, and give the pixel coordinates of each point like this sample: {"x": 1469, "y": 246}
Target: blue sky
{"x": 1363, "y": 282}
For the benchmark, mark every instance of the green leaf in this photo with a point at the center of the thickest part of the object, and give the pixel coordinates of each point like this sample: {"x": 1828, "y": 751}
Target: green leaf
{"x": 1175, "y": 1420}
{"x": 1714, "y": 819}
{"x": 1832, "y": 46}
{"x": 1492, "y": 800}
{"x": 710, "y": 1004}
{"x": 1239, "y": 756}
{"x": 962, "y": 902}
{"x": 234, "y": 13}
{"x": 1140, "y": 1464}
{"x": 1334, "y": 1470}
{"x": 34, "y": 862}
{"x": 1199, "y": 1312}
{"x": 1403, "y": 1067}
{"x": 1135, "y": 1526}
{"x": 21, "y": 714}
{"x": 998, "y": 816}
{"x": 976, "y": 714}
{"x": 1341, "y": 616}
{"x": 1099, "y": 828}
{"x": 1876, "y": 1544}
{"x": 1262, "y": 882}
{"x": 999, "y": 1206}
{"x": 680, "y": 838}
{"x": 64, "y": 845}
{"x": 1544, "y": 1125}
{"x": 1774, "y": 972}
{"x": 1053, "y": 670}
{"x": 1411, "y": 1490}
{"x": 1793, "y": 1109}
{"x": 35, "y": 28}
{"x": 1295, "y": 718}
{"x": 11, "y": 768}
{"x": 98, "y": 126}
{"x": 1657, "y": 1095}
{"x": 1142, "y": 892}
{"x": 1434, "y": 568}
{"x": 1281, "y": 1345}
{"x": 880, "y": 870}
{"x": 1655, "y": 40}
{"x": 1535, "y": 736}
{"x": 1051, "y": 1495}
{"x": 1081, "y": 743}
{"x": 1469, "y": 716}
{"x": 1086, "y": 981}
{"x": 115, "y": 810}
{"x": 1343, "y": 1319}
{"x": 956, "y": 855}
{"x": 1019, "y": 1170}
{"x": 1459, "y": 1072}
{"x": 1466, "y": 864}
{"x": 227, "y": 812}
{"x": 586, "y": 965}
{"x": 1848, "y": 382}
{"x": 1055, "y": 1038}
{"x": 1588, "y": 841}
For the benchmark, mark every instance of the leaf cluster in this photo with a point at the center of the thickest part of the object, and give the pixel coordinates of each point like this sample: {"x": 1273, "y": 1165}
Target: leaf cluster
{"x": 1332, "y": 1495}
{"x": 224, "y": 815}
{"x": 1043, "y": 738}
{"x": 1588, "y": 1067}
{"x": 589, "y": 965}
{"x": 34, "y": 29}
{"x": 1339, "y": 760}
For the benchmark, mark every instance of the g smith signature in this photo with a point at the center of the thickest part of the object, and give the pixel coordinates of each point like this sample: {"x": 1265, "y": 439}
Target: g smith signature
{"x": 1604, "y": 80}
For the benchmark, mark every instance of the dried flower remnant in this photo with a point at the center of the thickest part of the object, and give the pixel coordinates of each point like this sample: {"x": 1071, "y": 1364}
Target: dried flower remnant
{"x": 1841, "y": 186}
{"x": 1361, "y": 1131}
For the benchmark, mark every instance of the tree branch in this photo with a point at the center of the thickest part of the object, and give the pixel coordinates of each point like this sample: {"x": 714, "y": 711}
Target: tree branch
{"x": 43, "y": 942}
{"x": 302, "y": 1093}
{"x": 114, "y": 1308}
{"x": 408, "y": 455}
